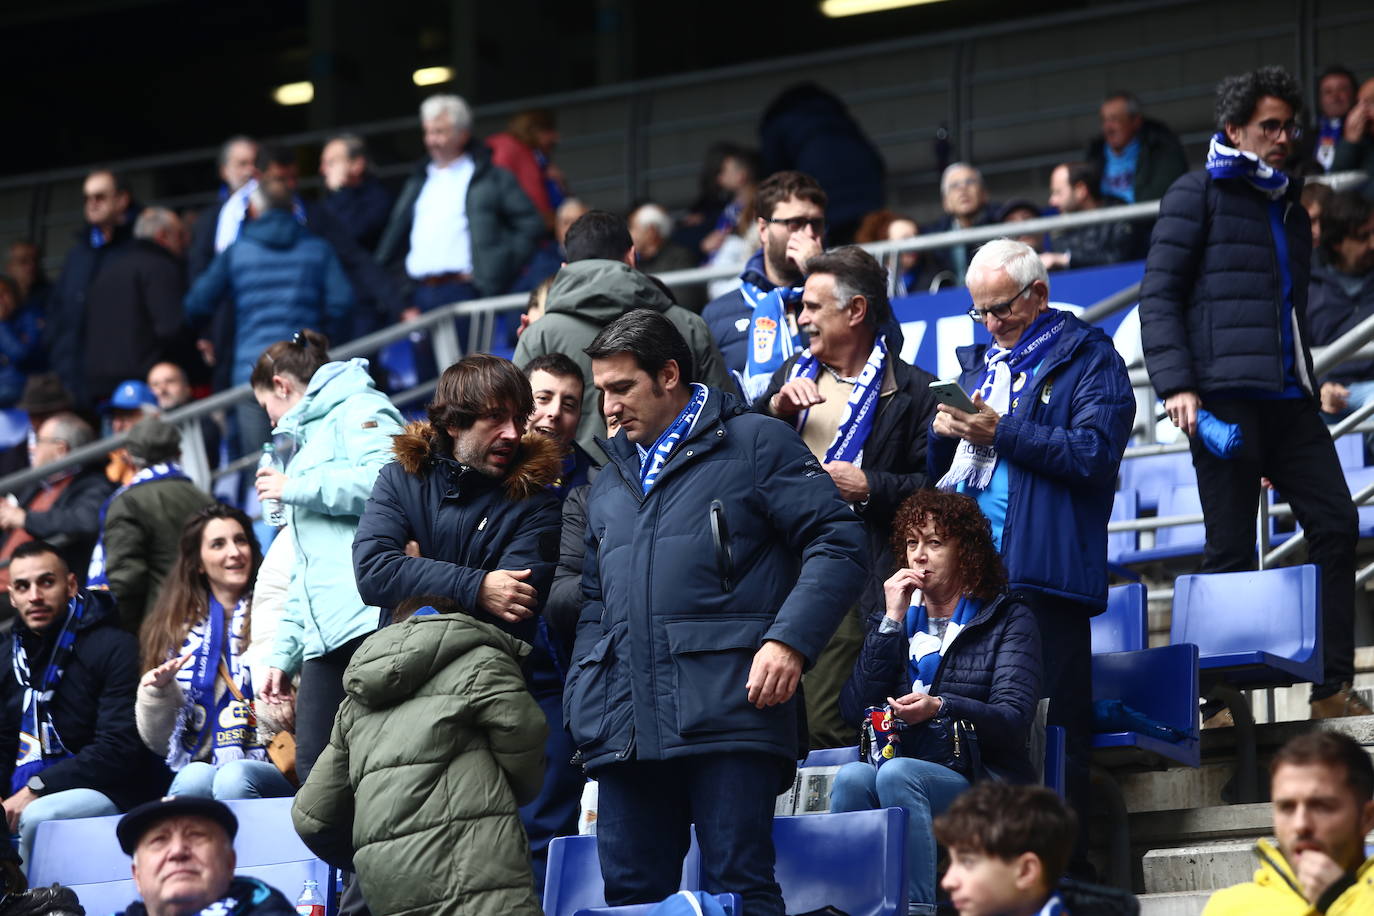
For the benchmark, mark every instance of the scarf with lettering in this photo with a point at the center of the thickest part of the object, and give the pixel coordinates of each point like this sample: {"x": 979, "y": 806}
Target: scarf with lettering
{"x": 229, "y": 723}
{"x": 772, "y": 337}
{"x": 857, "y": 420}
{"x": 39, "y": 744}
{"x": 973, "y": 464}
{"x": 1225, "y": 162}
{"x": 97, "y": 576}
{"x": 925, "y": 650}
{"x": 652, "y": 459}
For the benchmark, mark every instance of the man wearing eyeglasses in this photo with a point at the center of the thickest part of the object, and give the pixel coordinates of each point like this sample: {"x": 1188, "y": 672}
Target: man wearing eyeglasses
{"x": 1040, "y": 456}
{"x": 755, "y": 326}
{"x": 1224, "y": 323}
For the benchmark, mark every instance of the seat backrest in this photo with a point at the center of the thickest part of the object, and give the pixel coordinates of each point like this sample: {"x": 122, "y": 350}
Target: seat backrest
{"x": 831, "y": 756}
{"x": 1160, "y": 683}
{"x": 1122, "y": 627}
{"x": 853, "y": 861}
{"x": 1357, "y": 478}
{"x": 1271, "y": 610}
{"x": 101, "y": 860}
{"x": 1350, "y": 450}
{"x": 573, "y": 882}
{"x": 1055, "y": 744}
{"x": 1151, "y": 475}
{"x": 1125, "y": 507}
{"x": 1181, "y": 499}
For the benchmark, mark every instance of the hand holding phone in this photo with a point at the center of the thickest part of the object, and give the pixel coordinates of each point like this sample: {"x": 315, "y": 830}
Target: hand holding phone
{"x": 949, "y": 393}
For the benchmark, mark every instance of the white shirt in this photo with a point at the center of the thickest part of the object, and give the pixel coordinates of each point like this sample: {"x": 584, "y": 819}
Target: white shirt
{"x": 440, "y": 242}
{"x": 232, "y": 214}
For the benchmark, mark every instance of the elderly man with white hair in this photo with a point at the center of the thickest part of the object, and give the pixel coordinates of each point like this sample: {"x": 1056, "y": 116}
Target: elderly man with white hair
{"x": 964, "y": 198}
{"x": 650, "y": 227}
{"x": 462, "y": 227}
{"x": 1040, "y": 453}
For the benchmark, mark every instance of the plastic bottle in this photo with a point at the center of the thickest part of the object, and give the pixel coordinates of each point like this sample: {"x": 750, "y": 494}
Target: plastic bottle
{"x": 273, "y": 512}
{"x": 310, "y": 903}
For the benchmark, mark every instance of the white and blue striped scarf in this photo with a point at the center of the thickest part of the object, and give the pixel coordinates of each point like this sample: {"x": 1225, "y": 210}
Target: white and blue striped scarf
{"x": 652, "y": 459}
{"x": 859, "y": 411}
{"x": 1225, "y": 162}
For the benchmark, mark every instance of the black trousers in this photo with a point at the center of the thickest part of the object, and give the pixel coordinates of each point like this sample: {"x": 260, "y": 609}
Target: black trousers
{"x": 317, "y": 700}
{"x": 1286, "y": 441}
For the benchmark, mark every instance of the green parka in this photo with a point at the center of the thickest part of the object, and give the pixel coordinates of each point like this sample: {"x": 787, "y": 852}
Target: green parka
{"x": 436, "y": 744}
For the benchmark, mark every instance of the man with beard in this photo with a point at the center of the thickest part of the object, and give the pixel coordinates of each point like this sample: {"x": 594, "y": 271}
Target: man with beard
{"x": 755, "y": 326}
{"x": 1322, "y": 786}
{"x": 469, "y": 488}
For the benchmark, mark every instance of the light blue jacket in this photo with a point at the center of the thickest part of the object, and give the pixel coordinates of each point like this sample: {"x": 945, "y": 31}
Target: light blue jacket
{"x": 342, "y": 428}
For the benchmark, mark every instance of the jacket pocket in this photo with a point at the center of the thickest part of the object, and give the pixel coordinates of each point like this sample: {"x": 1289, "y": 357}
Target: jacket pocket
{"x": 586, "y": 698}
{"x": 711, "y": 661}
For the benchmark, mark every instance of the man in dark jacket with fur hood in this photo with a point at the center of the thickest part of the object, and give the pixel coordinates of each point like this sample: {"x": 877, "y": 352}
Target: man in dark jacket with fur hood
{"x": 720, "y": 557}
{"x": 1224, "y": 323}
{"x": 463, "y": 512}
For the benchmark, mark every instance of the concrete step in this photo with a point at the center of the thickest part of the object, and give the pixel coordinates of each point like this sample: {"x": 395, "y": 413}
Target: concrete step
{"x": 1200, "y": 868}
{"x": 1184, "y": 903}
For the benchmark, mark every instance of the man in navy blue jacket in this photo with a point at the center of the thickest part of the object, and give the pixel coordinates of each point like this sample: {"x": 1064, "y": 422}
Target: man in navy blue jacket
{"x": 1041, "y": 456}
{"x": 720, "y": 557}
{"x": 1223, "y": 319}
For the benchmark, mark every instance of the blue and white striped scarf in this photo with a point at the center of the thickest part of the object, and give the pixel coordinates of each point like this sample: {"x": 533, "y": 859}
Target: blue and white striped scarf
{"x": 652, "y": 459}
{"x": 39, "y": 744}
{"x": 859, "y": 411}
{"x": 772, "y": 338}
{"x": 924, "y": 650}
{"x": 1225, "y": 162}
{"x": 97, "y": 576}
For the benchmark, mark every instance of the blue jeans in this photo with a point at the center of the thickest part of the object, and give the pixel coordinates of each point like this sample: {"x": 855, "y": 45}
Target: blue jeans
{"x": 59, "y": 806}
{"x": 645, "y": 811}
{"x": 923, "y": 789}
{"x": 236, "y": 779}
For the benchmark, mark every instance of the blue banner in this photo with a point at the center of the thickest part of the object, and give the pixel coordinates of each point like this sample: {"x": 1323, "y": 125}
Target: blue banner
{"x": 935, "y": 324}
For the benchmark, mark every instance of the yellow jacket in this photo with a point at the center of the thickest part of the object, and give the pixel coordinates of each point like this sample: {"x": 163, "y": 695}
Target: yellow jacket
{"x": 1274, "y": 892}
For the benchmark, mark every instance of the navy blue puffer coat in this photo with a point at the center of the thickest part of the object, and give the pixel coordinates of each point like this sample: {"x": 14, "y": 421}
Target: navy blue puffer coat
{"x": 990, "y": 675}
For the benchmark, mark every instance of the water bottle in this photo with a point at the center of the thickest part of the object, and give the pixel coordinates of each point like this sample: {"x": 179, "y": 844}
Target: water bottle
{"x": 310, "y": 903}
{"x": 273, "y": 512}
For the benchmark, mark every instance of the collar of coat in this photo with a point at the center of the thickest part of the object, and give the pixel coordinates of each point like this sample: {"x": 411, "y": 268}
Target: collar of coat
{"x": 537, "y": 465}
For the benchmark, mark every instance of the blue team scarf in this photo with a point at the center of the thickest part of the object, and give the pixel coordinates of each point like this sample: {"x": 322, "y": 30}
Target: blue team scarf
{"x": 923, "y": 655}
{"x": 652, "y": 460}
{"x": 1225, "y": 162}
{"x": 96, "y": 574}
{"x": 39, "y": 744}
{"x": 857, "y": 420}
{"x": 771, "y": 339}
{"x": 1328, "y": 137}
{"x": 235, "y": 733}
{"x": 1053, "y": 907}
{"x": 1007, "y": 370}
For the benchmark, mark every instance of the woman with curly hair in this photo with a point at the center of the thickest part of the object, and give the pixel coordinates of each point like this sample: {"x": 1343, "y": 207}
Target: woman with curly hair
{"x": 195, "y": 703}
{"x": 951, "y": 649}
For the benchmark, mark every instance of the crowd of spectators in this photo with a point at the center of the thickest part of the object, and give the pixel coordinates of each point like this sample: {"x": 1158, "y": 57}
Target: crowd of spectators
{"x": 666, "y": 550}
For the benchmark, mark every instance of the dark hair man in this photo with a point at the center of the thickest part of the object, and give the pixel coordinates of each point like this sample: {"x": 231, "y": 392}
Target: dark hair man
{"x": 719, "y": 559}
{"x": 1074, "y": 189}
{"x": 469, "y": 487}
{"x": 863, "y": 413}
{"x": 183, "y": 861}
{"x": 1224, "y": 324}
{"x": 1342, "y": 295}
{"x": 1040, "y": 455}
{"x": 597, "y": 286}
{"x": 1336, "y": 89}
{"x": 354, "y": 196}
{"x": 755, "y": 325}
{"x": 1322, "y": 787}
{"x": 71, "y": 748}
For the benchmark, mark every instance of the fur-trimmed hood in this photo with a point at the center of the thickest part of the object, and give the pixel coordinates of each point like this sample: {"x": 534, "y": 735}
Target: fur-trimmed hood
{"x": 537, "y": 465}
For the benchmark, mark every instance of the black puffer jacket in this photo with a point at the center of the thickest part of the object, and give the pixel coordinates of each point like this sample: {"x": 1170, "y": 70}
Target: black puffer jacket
{"x": 1336, "y": 303}
{"x": 1212, "y": 296}
{"x": 93, "y": 710}
{"x": 990, "y": 675}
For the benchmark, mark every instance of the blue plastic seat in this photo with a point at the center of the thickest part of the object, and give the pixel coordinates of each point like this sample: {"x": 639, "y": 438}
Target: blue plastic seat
{"x": 1055, "y": 750}
{"x": 1125, "y": 507}
{"x": 1252, "y": 629}
{"x": 14, "y": 427}
{"x": 730, "y": 903}
{"x": 853, "y": 860}
{"x": 831, "y": 757}
{"x": 1123, "y": 626}
{"x": 1152, "y": 475}
{"x": 266, "y": 847}
{"x": 573, "y": 881}
{"x": 1160, "y": 683}
{"x": 1174, "y": 541}
{"x": 1350, "y": 450}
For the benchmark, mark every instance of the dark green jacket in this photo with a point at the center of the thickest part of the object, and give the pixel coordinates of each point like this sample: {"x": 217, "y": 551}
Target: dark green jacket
{"x": 436, "y": 743}
{"x": 588, "y": 295}
{"x": 503, "y": 223}
{"x": 142, "y": 531}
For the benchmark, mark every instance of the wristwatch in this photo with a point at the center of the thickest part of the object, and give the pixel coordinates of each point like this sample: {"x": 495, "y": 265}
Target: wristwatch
{"x": 36, "y": 785}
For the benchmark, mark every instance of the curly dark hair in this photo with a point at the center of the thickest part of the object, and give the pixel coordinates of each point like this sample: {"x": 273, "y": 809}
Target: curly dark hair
{"x": 1238, "y": 96}
{"x": 956, "y": 518}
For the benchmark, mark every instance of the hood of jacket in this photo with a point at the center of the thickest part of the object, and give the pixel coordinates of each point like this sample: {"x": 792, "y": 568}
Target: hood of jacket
{"x": 396, "y": 661}
{"x": 330, "y": 386}
{"x": 539, "y": 464}
{"x": 274, "y": 229}
{"x": 600, "y": 291}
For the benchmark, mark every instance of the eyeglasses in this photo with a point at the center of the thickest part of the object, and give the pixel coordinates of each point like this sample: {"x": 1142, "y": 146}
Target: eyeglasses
{"x": 999, "y": 311}
{"x": 798, "y": 223}
{"x": 1271, "y": 128}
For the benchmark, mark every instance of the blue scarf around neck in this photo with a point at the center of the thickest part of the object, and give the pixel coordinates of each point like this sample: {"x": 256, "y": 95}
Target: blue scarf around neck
{"x": 652, "y": 459}
{"x": 859, "y": 411}
{"x": 232, "y": 727}
{"x": 1225, "y": 162}
{"x": 924, "y": 652}
{"x": 772, "y": 338}
{"x": 39, "y": 744}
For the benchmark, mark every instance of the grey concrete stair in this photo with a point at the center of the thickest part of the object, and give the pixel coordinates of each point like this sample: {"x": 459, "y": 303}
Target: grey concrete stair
{"x": 1201, "y": 868}
{"x": 1186, "y": 903}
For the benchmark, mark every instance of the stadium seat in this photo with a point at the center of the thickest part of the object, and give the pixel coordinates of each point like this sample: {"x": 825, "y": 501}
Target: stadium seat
{"x": 266, "y": 847}
{"x": 730, "y": 903}
{"x": 854, "y": 861}
{"x": 831, "y": 757}
{"x": 1174, "y": 541}
{"x": 1350, "y": 449}
{"x": 573, "y": 882}
{"x": 14, "y": 427}
{"x": 1054, "y": 758}
{"x": 1151, "y": 475}
{"x": 1160, "y": 683}
{"x": 1122, "y": 627}
{"x": 1125, "y": 507}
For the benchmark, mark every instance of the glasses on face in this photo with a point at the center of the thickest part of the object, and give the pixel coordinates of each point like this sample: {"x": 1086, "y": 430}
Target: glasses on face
{"x": 999, "y": 311}
{"x": 1271, "y": 127}
{"x": 798, "y": 223}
